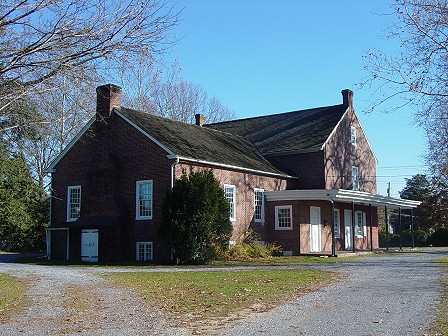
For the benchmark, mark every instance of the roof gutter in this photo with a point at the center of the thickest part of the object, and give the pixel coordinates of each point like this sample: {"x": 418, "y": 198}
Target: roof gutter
{"x": 223, "y": 165}
{"x": 341, "y": 195}
{"x": 173, "y": 165}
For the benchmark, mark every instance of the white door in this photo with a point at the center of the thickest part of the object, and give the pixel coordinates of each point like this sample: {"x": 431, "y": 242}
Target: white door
{"x": 89, "y": 245}
{"x": 315, "y": 229}
{"x": 348, "y": 229}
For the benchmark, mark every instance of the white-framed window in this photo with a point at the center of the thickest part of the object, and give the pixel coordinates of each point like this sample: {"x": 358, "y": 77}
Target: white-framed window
{"x": 143, "y": 251}
{"x": 73, "y": 203}
{"x": 353, "y": 136}
{"x": 230, "y": 194}
{"x": 144, "y": 199}
{"x": 259, "y": 205}
{"x": 337, "y": 223}
{"x": 360, "y": 224}
{"x": 355, "y": 178}
{"x": 283, "y": 217}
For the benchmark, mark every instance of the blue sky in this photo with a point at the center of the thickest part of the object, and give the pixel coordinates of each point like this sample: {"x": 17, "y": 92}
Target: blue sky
{"x": 265, "y": 56}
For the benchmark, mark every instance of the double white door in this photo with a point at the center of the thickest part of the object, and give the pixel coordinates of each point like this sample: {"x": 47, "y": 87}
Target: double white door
{"x": 89, "y": 245}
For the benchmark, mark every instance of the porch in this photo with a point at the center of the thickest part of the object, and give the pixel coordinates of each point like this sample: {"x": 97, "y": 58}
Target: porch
{"x": 327, "y": 209}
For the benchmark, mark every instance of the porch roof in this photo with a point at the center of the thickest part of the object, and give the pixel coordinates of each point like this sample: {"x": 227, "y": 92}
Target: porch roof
{"x": 341, "y": 195}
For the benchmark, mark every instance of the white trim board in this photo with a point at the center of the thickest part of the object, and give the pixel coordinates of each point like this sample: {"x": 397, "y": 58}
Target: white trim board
{"x": 341, "y": 195}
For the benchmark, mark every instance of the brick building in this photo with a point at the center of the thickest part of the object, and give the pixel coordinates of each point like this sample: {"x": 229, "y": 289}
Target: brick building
{"x": 283, "y": 174}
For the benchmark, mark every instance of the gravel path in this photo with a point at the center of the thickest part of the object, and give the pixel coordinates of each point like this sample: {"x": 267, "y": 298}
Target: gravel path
{"x": 114, "y": 311}
{"x": 379, "y": 295}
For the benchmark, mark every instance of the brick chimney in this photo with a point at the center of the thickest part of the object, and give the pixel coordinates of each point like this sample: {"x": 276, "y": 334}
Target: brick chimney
{"x": 107, "y": 96}
{"x": 347, "y": 98}
{"x": 200, "y": 119}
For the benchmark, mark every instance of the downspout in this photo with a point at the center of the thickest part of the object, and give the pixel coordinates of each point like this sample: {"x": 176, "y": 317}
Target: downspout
{"x": 172, "y": 171}
{"x": 173, "y": 165}
{"x": 333, "y": 239}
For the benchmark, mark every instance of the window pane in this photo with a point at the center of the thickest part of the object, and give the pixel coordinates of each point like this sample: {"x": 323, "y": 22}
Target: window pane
{"x": 74, "y": 202}
{"x": 259, "y": 199}
{"x": 353, "y": 136}
{"x": 284, "y": 217}
{"x": 144, "y": 251}
{"x": 355, "y": 178}
{"x": 229, "y": 192}
{"x": 337, "y": 224}
{"x": 144, "y": 206}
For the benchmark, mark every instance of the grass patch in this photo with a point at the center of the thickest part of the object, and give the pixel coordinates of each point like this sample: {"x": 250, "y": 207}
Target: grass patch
{"x": 195, "y": 299}
{"x": 278, "y": 261}
{"x": 12, "y": 297}
{"x": 441, "y": 326}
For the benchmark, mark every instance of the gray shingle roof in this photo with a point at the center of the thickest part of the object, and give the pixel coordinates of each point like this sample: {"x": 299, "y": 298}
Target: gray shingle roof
{"x": 305, "y": 130}
{"x": 200, "y": 143}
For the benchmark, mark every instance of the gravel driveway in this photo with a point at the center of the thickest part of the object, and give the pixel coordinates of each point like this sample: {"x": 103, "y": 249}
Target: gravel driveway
{"x": 390, "y": 294}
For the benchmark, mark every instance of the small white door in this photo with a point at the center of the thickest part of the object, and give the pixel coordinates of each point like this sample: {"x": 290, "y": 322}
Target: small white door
{"x": 315, "y": 229}
{"x": 348, "y": 229}
{"x": 89, "y": 245}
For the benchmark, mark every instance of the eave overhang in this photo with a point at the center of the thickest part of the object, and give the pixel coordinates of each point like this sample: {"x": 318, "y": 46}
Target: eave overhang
{"x": 341, "y": 195}
{"x": 227, "y": 166}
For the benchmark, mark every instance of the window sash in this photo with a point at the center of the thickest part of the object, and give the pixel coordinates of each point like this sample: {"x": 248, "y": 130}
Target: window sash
{"x": 360, "y": 224}
{"x": 353, "y": 136}
{"x": 230, "y": 194}
{"x": 355, "y": 178}
{"x": 258, "y": 205}
{"x": 283, "y": 217}
{"x": 73, "y": 203}
{"x": 144, "y": 251}
{"x": 144, "y": 197}
{"x": 337, "y": 223}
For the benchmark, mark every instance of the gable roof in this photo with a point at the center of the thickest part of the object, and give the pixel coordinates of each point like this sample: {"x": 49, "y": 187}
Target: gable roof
{"x": 198, "y": 143}
{"x": 305, "y": 130}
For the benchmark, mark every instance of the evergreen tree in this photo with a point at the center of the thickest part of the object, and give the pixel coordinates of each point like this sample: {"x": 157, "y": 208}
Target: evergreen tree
{"x": 23, "y": 206}
{"x": 196, "y": 218}
{"x": 418, "y": 188}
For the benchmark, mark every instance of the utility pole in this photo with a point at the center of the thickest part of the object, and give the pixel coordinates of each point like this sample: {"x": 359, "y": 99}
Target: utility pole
{"x": 388, "y": 189}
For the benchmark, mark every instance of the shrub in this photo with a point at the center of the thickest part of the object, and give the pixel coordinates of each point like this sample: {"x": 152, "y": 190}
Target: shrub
{"x": 439, "y": 238}
{"x": 420, "y": 238}
{"x": 196, "y": 219}
{"x": 248, "y": 247}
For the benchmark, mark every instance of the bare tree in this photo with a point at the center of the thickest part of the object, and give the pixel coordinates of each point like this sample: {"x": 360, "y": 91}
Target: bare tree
{"x": 161, "y": 90}
{"x": 59, "y": 115}
{"x": 417, "y": 73}
{"x": 42, "y": 39}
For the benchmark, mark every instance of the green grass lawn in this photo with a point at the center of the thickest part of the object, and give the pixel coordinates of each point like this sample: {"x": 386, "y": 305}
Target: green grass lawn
{"x": 12, "y": 297}
{"x": 193, "y": 297}
{"x": 441, "y": 327}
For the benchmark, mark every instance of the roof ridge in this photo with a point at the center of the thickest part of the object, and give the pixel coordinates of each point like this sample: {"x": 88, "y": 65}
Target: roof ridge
{"x": 271, "y": 115}
{"x": 192, "y": 125}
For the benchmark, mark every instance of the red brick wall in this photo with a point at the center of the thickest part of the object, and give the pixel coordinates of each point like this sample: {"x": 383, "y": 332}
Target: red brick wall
{"x": 340, "y": 156}
{"x": 107, "y": 161}
{"x": 307, "y": 167}
{"x": 244, "y": 183}
{"x": 298, "y": 241}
